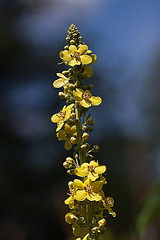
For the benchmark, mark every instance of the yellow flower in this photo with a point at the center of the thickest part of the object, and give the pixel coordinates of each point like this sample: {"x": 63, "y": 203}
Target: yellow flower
{"x": 85, "y": 98}
{"x": 62, "y": 116}
{"x": 61, "y": 81}
{"x": 76, "y": 56}
{"x": 88, "y": 190}
{"x": 70, "y": 200}
{"x": 92, "y": 170}
{"x": 66, "y": 135}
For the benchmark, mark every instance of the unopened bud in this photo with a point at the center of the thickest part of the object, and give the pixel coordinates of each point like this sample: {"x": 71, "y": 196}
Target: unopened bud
{"x": 89, "y": 52}
{"x": 95, "y": 148}
{"x": 65, "y": 165}
{"x": 73, "y": 115}
{"x": 69, "y": 160}
{"x": 84, "y": 146}
{"x": 90, "y": 86}
{"x": 70, "y": 171}
{"x": 73, "y": 140}
{"x": 102, "y": 222}
{"x": 72, "y": 86}
{"x": 70, "y": 184}
{"x": 61, "y": 95}
{"x": 85, "y": 136}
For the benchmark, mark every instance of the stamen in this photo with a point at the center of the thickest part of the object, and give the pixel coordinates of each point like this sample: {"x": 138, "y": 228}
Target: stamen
{"x": 77, "y": 55}
{"x": 88, "y": 188}
{"x": 61, "y": 114}
{"x": 86, "y": 95}
{"x": 91, "y": 168}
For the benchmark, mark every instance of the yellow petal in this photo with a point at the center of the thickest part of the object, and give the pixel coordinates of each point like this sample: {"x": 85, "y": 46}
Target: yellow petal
{"x": 94, "y": 164}
{"x": 74, "y": 62}
{"x": 89, "y": 71}
{"x": 64, "y": 108}
{"x": 94, "y": 197}
{"x": 61, "y": 135}
{"x": 82, "y": 49}
{"x": 85, "y": 59}
{"x": 59, "y": 126}
{"x": 81, "y": 171}
{"x": 55, "y": 118}
{"x": 67, "y": 128}
{"x": 59, "y": 83}
{"x": 69, "y": 106}
{"x": 72, "y": 49}
{"x": 70, "y": 202}
{"x": 94, "y": 59}
{"x": 80, "y": 195}
{"x": 67, "y": 144}
{"x": 95, "y": 101}
{"x": 85, "y": 104}
{"x": 73, "y": 130}
{"x": 86, "y": 237}
{"x": 97, "y": 186}
{"x": 75, "y": 228}
{"x": 78, "y": 94}
{"x": 93, "y": 176}
{"x": 65, "y": 55}
{"x": 100, "y": 169}
{"x": 61, "y": 76}
{"x": 78, "y": 184}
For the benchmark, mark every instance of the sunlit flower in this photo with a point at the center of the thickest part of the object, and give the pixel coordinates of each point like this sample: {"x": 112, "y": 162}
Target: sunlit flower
{"x": 85, "y": 98}
{"x": 62, "y": 116}
{"x": 76, "y": 56}
{"x": 66, "y": 135}
{"x": 61, "y": 81}
{"x": 92, "y": 170}
{"x": 88, "y": 190}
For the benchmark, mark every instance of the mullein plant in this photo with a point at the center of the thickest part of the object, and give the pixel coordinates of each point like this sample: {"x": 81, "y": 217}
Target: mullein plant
{"x": 86, "y": 199}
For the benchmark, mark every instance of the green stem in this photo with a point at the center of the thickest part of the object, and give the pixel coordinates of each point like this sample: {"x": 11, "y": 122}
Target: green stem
{"x": 79, "y": 133}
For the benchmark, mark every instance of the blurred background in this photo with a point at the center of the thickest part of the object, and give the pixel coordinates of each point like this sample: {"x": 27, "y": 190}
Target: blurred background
{"x": 125, "y": 35}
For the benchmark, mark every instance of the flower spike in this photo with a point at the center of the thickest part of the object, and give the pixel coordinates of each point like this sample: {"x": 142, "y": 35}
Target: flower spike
{"x": 86, "y": 200}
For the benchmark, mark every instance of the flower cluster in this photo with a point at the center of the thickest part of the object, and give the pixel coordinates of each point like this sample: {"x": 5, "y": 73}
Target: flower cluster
{"x": 86, "y": 200}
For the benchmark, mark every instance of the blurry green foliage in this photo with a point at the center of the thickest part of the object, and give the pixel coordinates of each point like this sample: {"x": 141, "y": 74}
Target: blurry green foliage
{"x": 149, "y": 210}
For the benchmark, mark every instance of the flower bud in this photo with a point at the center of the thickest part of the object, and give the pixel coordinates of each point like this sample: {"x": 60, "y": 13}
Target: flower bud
{"x": 65, "y": 165}
{"x": 70, "y": 171}
{"x": 73, "y": 140}
{"x": 69, "y": 160}
{"x": 66, "y": 47}
{"x": 73, "y": 115}
{"x": 95, "y": 148}
{"x": 84, "y": 146}
{"x": 89, "y": 52}
{"x": 72, "y": 86}
{"x": 61, "y": 95}
{"x": 85, "y": 136}
{"x": 90, "y": 86}
{"x": 70, "y": 184}
{"x": 102, "y": 222}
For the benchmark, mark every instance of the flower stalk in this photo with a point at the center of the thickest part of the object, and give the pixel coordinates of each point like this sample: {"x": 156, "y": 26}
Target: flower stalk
{"x": 86, "y": 200}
